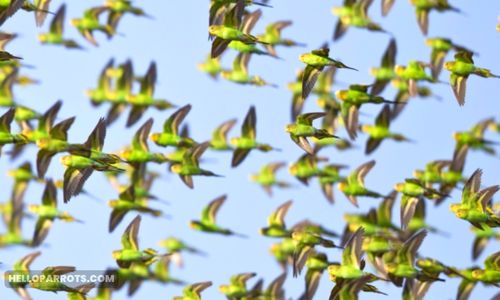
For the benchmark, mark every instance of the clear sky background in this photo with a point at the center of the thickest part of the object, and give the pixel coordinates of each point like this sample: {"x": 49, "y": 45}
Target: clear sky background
{"x": 176, "y": 38}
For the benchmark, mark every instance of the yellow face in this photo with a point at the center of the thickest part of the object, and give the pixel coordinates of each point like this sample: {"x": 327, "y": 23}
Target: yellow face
{"x": 292, "y": 169}
{"x": 42, "y": 37}
{"x": 155, "y": 137}
{"x": 65, "y": 160}
{"x": 289, "y": 128}
{"x": 42, "y": 143}
{"x": 176, "y": 168}
{"x": 342, "y": 186}
{"x": 399, "y": 187}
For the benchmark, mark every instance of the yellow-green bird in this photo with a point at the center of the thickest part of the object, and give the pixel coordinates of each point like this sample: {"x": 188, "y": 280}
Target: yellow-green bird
{"x": 21, "y": 270}
{"x": 55, "y": 35}
{"x": 474, "y": 138}
{"x": 82, "y": 162}
{"x": 219, "y": 139}
{"x": 303, "y": 128}
{"x": 6, "y": 136}
{"x": 412, "y": 73}
{"x": 170, "y": 135}
{"x": 128, "y": 201}
{"x": 237, "y": 287}
{"x": 130, "y": 251}
{"x": 6, "y": 94}
{"x": 276, "y": 222}
{"x": 440, "y": 48}
{"x": 354, "y": 186}
{"x": 475, "y": 206}
{"x": 190, "y": 167}
{"x": 232, "y": 29}
{"x": 145, "y": 97}
{"x": 239, "y": 73}
{"x": 207, "y": 223}
{"x": 349, "y": 290}
{"x": 305, "y": 168}
{"x": 175, "y": 247}
{"x": 316, "y": 61}
{"x": 424, "y": 7}
{"x": 353, "y": 13}
{"x": 247, "y": 141}
{"x": 385, "y": 73}
{"x": 118, "y": 8}
{"x": 481, "y": 239}
{"x": 193, "y": 291}
{"x": 267, "y": 177}
{"x": 380, "y": 131}
{"x": 211, "y": 66}
{"x": 460, "y": 69}
{"x": 90, "y": 23}
{"x": 47, "y": 212}
{"x": 272, "y": 37}
{"x": 50, "y": 281}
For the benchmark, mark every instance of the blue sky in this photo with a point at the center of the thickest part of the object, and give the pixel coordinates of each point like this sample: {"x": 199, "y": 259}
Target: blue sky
{"x": 176, "y": 38}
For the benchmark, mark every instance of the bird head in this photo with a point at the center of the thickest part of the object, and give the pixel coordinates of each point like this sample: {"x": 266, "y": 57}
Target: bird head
{"x": 342, "y": 186}
{"x": 293, "y": 169}
{"x": 341, "y": 94}
{"x": 449, "y": 64}
{"x": 176, "y": 168}
{"x": 66, "y": 160}
{"x": 33, "y": 208}
{"x": 42, "y": 38}
{"x": 75, "y": 22}
{"x": 155, "y": 137}
{"x": 289, "y": 127}
{"x": 399, "y": 187}
{"x": 418, "y": 173}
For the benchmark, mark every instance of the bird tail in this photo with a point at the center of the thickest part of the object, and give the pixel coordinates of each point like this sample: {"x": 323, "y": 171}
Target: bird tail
{"x": 84, "y": 288}
{"x": 485, "y": 73}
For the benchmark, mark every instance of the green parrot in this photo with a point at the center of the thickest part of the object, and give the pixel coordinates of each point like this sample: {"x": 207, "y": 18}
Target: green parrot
{"x": 128, "y": 201}
{"x": 22, "y": 176}
{"x": 219, "y": 139}
{"x": 403, "y": 264}
{"x": 351, "y": 101}
{"x": 130, "y": 251}
{"x": 103, "y": 90}
{"x": 380, "y": 131}
{"x": 316, "y": 264}
{"x": 305, "y": 168}
{"x": 353, "y": 13}
{"x": 440, "y": 48}
{"x": 272, "y": 37}
{"x": 82, "y": 163}
{"x": 189, "y": 166}
{"x": 170, "y": 135}
{"x": 247, "y": 141}
{"x": 52, "y": 282}
{"x": 283, "y": 252}
{"x": 6, "y": 137}
{"x": 303, "y": 128}
{"x": 47, "y": 212}
{"x": 56, "y": 142}
{"x": 211, "y": 66}
{"x": 138, "y": 154}
{"x": 460, "y": 69}
{"x": 90, "y": 23}
{"x": 193, "y": 291}
{"x": 235, "y": 27}
{"x": 305, "y": 241}
{"x": 267, "y": 177}
{"x": 145, "y": 98}
{"x": 491, "y": 272}
{"x": 329, "y": 176}
{"x": 354, "y": 186}
{"x": 274, "y": 291}
{"x": 276, "y": 222}
{"x": 175, "y": 247}
{"x": 349, "y": 290}
{"x": 412, "y": 73}
{"x": 385, "y": 73}
{"x": 118, "y": 8}
{"x": 423, "y": 7}
{"x": 316, "y": 62}
{"x": 248, "y": 23}
{"x": 475, "y": 206}
{"x": 432, "y": 172}
{"x": 239, "y": 73}
{"x": 162, "y": 271}
{"x": 55, "y": 35}
{"x": 122, "y": 91}
{"x": 207, "y": 223}
{"x": 22, "y": 269}
{"x": 237, "y": 289}
{"x": 454, "y": 174}
{"x": 474, "y": 138}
